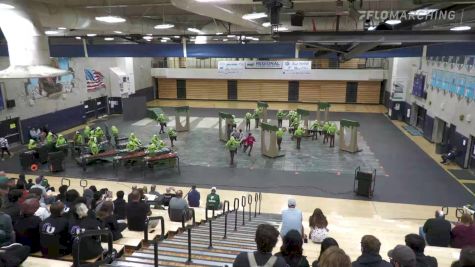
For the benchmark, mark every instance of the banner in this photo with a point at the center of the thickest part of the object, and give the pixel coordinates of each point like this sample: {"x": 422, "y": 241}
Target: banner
{"x": 296, "y": 67}
{"x": 231, "y": 66}
{"x": 264, "y": 64}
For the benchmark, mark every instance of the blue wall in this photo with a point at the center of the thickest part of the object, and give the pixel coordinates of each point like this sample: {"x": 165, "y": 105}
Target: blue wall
{"x": 272, "y": 50}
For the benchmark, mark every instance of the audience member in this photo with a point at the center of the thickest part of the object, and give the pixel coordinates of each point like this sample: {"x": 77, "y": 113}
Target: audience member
{"x": 402, "y": 256}
{"x": 153, "y": 191}
{"x": 291, "y": 250}
{"x": 291, "y": 219}
{"x": 119, "y": 206}
{"x": 29, "y": 184}
{"x": 318, "y": 226}
{"x": 93, "y": 188}
{"x": 194, "y": 197}
{"x": 418, "y": 244}
{"x": 266, "y": 239}
{"x": 106, "y": 215}
{"x": 467, "y": 258}
{"x": 12, "y": 206}
{"x": 88, "y": 194}
{"x": 21, "y": 179}
{"x": 334, "y": 257}
{"x": 326, "y": 243}
{"x": 38, "y": 184}
{"x": 436, "y": 231}
{"x": 155, "y": 196}
{"x": 7, "y": 236}
{"x": 27, "y": 227}
{"x": 71, "y": 196}
{"x": 212, "y": 200}
{"x": 178, "y": 208}
{"x": 463, "y": 234}
{"x": 136, "y": 212}
{"x": 90, "y": 247}
{"x": 168, "y": 195}
{"x": 55, "y": 240}
{"x": 370, "y": 257}
{"x": 42, "y": 212}
{"x": 62, "y": 193}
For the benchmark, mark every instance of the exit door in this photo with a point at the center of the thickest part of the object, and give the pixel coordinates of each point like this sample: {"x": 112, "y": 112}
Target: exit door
{"x": 471, "y": 159}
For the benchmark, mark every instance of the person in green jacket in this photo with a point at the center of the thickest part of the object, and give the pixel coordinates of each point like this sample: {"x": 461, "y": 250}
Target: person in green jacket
{"x": 115, "y": 132}
{"x": 87, "y": 131}
{"x": 332, "y": 131}
{"x": 93, "y": 147}
{"x": 248, "y": 118}
{"x": 298, "y": 135}
{"x": 151, "y": 149}
{"x": 257, "y": 116}
{"x": 279, "y": 134}
{"x": 32, "y": 144}
{"x": 162, "y": 120}
{"x": 213, "y": 200}
{"x": 99, "y": 133}
{"x": 49, "y": 138}
{"x": 172, "y": 135}
{"x": 280, "y": 116}
{"x": 314, "y": 128}
{"x": 325, "y": 127}
{"x": 232, "y": 145}
{"x": 78, "y": 139}
{"x": 60, "y": 141}
{"x": 134, "y": 139}
{"x": 132, "y": 145}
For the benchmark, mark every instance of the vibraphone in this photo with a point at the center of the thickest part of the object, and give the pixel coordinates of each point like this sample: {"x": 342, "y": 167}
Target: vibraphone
{"x": 109, "y": 155}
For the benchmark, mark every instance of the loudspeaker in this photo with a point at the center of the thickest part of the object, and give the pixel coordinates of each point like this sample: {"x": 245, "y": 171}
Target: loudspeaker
{"x": 297, "y": 19}
{"x": 28, "y": 158}
{"x": 365, "y": 180}
{"x": 10, "y": 103}
{"x": 55, "y": 160}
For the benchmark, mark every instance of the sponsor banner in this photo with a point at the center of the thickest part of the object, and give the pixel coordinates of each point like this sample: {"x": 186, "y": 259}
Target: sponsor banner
{"x": 264, "y": 64}
{"x": 231, "y": 66}
{"x": 287, "y": 67}
{"x": 296, "y": 67}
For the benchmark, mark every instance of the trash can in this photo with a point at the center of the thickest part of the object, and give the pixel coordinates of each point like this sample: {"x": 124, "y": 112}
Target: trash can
{"x": 364, "y": 184}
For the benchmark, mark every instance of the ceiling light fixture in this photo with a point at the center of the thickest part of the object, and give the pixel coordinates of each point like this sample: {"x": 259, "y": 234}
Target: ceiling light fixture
{"x": 460, "y": 28}
{"x": 163, "y": 41}
{"x": 176, "y": 36}
{"x": 148, "y": 38}
{"x": 91, "y": 34}
{"x": 78, "y": 37}
{"x": 225, "y": 40}
{"x": 62, "y": 28}
{"x": 219, "y": 33}
{"x": 110, "y": 19}
{"x": 195, "y": 30}
{"x": 6, "y": 6}
{"x": 231, "y": 36}
{"x": 393, "y": 21}
{"x": 252, "y": 16}
{"x": 166, "y": 38}
{"x": 51, "y": 32}
{"x": 164, "y": 26}
{"x": 200, "y": 40}
{"x": 118, "y": 32}
{"x": 109, "y": 39}
{"x": 282, "y": 29}
{"x": 266, "y": 24}
{"x": 149, "y": 34}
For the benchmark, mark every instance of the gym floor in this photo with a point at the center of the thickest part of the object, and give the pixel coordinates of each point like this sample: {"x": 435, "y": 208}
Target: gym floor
{"x": 405, "y": 173}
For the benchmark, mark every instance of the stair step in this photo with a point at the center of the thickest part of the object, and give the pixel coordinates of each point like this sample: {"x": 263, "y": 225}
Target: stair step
{"x": 220, "y": 231}
{"x": 182, "y": 257}
{"x": 220, "y": 236}
{"x": 203, "y": 247}
{"x": 162, "y": 261}
{"x": 211, "y": 253}
{"x": 249, "y": 244}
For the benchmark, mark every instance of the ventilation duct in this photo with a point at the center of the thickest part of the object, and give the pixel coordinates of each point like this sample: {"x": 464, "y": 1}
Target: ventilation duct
{"x": 27, "y": 45}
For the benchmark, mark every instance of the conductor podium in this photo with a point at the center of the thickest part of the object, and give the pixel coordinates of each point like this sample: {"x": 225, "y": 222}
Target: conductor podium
{"x": 269, "y": 147}
{"x": 322, "y": 111}
{"x": 364, "y": 183}
{"x": 179, "y": 111}
{"x": 349, "y": 136}
{"x": 226, "y": 121}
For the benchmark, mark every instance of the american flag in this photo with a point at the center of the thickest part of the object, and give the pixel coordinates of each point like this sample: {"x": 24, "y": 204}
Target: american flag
{"x": 94, "y": 79}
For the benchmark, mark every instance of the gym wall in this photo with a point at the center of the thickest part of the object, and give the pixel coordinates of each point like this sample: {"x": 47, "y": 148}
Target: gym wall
{"x": 367, "y": 92}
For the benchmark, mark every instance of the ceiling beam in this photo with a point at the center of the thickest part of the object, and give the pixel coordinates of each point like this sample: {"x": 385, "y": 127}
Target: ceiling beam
{"x": 376, "y": 37}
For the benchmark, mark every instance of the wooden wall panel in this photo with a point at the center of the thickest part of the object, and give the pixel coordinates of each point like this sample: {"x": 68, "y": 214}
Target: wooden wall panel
{"x": 265, "y": 90}
{"x": 369, "y": 92}
{"x": 325, "y": 91}
{"x": 309, "y": 91}
{"x": 167, "y": 88}
{"x": 207, "y": 89}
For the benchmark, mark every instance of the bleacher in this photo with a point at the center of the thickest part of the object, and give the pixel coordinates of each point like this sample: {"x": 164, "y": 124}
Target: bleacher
{"x": 138, "y": 248}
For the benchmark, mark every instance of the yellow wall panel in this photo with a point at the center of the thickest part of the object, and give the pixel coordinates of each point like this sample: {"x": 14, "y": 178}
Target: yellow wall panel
{"x": 167, "y": 88}
{"x": 207, "y": 89}
{"x": 325, "y": 91}
{"x": 263, "y": 90}
{"x": 368, "y": 92}
{"x": 309, "y": 91}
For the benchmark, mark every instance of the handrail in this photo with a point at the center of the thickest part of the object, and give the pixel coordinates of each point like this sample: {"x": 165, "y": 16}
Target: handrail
{"x": 225, "y": 225}
{"x": 260, "y": 202}
{"x": 206, "y": 212}
{"x": 445, "y": 210}
{"x": 224, "y": 206}
{"x": 88, "y": 233}
{"x": 81, "y": 183}
{"x": 236, "y": 209}
{"x": 210, "y": 221}
{"x": 243, "y": 204}
{"x": 458, "y": 213}
{"x": 155, "y": 253}
{"x": 183, "y": 218}
{"x": 162, "y": 227}
{"x": 249, "y": 201}
{"x": 63, "y": 180}
{"x": 189, "y": 246}
{"x": 256, "y": 199}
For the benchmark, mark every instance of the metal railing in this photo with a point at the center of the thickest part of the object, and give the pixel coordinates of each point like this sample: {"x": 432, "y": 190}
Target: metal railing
{"x": 236, "y": 209}
{"x": 193, "y": 218}
{"x": 106, "y": 259}
{"x": 243, "y": 204}
{"x": 249, "y": 201}
{"x": 225, "y": 218}
{"x": 162, "y": 226}
{"x": 64, "y": 180}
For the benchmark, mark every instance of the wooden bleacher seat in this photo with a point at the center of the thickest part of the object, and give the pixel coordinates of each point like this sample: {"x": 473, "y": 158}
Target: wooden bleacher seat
{"x": 42, "y": 262}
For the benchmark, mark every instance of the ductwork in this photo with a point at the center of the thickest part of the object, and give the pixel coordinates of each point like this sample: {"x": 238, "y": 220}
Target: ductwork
{"x": 218, "y": 12}
{"x": 27, "y": 45}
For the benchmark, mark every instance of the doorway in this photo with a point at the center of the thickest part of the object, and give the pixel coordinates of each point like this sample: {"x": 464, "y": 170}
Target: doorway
{"x": 471, "y": 158}
{"x": 351, "y": 92}
{"x": 421, "y": 116}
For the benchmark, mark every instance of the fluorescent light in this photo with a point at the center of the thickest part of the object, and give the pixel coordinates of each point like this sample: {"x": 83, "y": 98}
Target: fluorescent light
{"x": 118, "y": 32}
{"x": 149, "y": 34}
{"x": 109, "y": 39}
{"x": 248, "y": 37}
{"x": 255, "y": 39}
{"x": 219, "y": 33}
{"x": 78, "y": 38}
{"x": 371, "y": 28}
{"x": 252, "y": 16}
{"x": 62, "y": 28}
{"x": 393, "y": 21}
{"x": 460, "y": 28}
{"x": 200, "y": 40}
{"x": 225, "y": 40}
{"x": 165, "y": 38}
{"x": 51, "y": 32}
{"x": 231, "y": 36}
{"x": 266, "y": 24}
{"x": 111, "y": 19}
{"x": 6, "y": 6}
{"x": 176, "y": 36}
{"x": 163, "y": 41}
{"x": 282, "y": 29}
{"x": 148, "y": 38}
{"x": 164, "y": 26}
{"x": 195, "y": 30}
{"x": 422, "y": 12}
{"x": 215, "y": 39}
{"x": 91, "y": 34}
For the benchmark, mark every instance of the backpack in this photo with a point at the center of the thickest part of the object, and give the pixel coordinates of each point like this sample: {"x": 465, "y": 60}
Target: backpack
{"x": 253, "y": 263}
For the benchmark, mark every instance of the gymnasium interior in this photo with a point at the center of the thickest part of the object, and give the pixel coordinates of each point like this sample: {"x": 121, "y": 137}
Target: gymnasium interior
{"x": 360, "y": 108}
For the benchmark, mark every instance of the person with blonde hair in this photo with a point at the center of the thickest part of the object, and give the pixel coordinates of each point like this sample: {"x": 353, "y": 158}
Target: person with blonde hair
{"x": 334, "y": 257}
{"x": 463, "y": 234}
{"x": 90, "y": 247}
